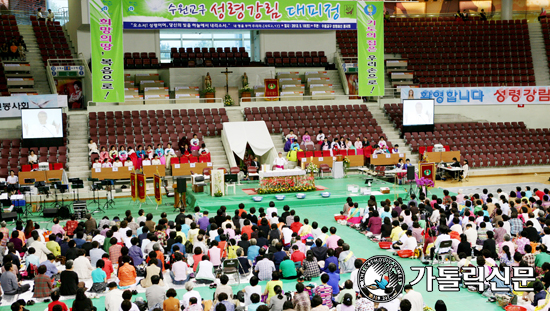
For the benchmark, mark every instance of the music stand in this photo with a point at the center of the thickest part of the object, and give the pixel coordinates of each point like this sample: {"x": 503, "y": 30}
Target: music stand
{"x": 76, "y": 183}
{"x": 27, "y": 190}
{"x": 95, "y": 187}
{"x": 109, "y": 184}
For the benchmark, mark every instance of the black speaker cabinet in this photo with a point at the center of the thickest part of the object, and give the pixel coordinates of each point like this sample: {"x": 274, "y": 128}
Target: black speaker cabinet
{"x": 8, "y": 216}
{"x": 410, "y": 172}
{"x": 50, "y": 212}
{"x": 182, "y": 185}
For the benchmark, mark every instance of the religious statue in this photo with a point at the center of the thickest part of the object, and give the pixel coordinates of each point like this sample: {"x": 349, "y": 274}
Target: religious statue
{"x": 207, "y": 81}
{"x": 245, "y": 80}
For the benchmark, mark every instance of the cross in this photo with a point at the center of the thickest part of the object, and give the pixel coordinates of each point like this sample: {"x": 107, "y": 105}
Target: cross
{"x": 227, "y": 72}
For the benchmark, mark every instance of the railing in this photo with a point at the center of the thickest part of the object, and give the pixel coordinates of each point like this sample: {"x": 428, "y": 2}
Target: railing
{"x": 343, "y": 79}
{"x": 203, "y": 102}
{"x": 490, "y": 15}
{"x": 282, "y": 99}
{"x": 62, "y": 16}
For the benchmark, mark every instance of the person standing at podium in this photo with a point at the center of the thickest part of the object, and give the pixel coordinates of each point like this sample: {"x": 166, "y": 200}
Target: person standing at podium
{"x": 279, "y": 162}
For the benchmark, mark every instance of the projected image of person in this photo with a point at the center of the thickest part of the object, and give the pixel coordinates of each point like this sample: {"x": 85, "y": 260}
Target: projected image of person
{"x": 411, "y": 94}
{"x": 420, "y": 115}
{"x": 42, "y": 128}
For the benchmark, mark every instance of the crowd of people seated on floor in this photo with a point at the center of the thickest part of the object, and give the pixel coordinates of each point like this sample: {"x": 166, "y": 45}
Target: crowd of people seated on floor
{"x": 491, "y": 230}
{"x": 115, "y": 256}
{"x": 128, "y": 157}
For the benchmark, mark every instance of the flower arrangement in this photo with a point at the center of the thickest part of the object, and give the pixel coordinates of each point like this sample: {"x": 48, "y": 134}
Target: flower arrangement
{"x": 218, "y": 194}
{"x": 423, "y": 183}
{"x": 246, "y": 88}
{"x": 286, "y": 184}
{"x": 228, "y": 101}
{"x": 346, "y": 165}
{"x": 208, "y": 90}
{"x": 312, "y": 168}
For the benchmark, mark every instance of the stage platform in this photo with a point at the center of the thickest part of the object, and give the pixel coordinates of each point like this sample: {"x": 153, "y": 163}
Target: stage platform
{"x": 338, "y": 189}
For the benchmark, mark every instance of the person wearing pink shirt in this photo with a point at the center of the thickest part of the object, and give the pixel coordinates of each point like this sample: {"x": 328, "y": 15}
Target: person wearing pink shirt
{"x": 57, "y": 228}
{"x": 332, "y": 240}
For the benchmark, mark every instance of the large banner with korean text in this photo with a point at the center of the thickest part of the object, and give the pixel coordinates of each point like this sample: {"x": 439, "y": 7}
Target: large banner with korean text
{"x": 370, "y": 48}
{"x": 10, "y": 106}
{"x": 246, "y": 14}
{"x": 107, "y": 51}
{"x": 480, "y": 95}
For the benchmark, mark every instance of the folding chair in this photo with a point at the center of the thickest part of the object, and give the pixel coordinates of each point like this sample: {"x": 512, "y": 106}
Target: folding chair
{"x": 448, "y": 254}
{"x": 231, "y": 266}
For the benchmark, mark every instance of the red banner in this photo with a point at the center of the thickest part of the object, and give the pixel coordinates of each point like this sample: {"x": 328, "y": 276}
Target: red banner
{"x": 133, "y": 185}
{"x": 271, "y": 88}
{"x": 158, "y": 194}
{"x": 141, "y": 188}
{"x": 427, "y": 170}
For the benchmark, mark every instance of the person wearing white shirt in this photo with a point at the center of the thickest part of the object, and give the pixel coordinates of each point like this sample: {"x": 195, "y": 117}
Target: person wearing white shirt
{"x": 12, "y": 180}
{"x": 118, "y": 163}
{"x": 253, "y": 288}
{"x": 320, "y": 137}
{"x": 546, "y": 237}
{"x": 203, "y": 149}
{"x": 106, "y": 164}
{"x": 392, "y": 305}
{"x": 146, "y": 162}
{"x": 129, "y": 163}
{"x": 358, "y": 144}
{"x": 457, "y": 228}
{"x": 113, "y": 299}
{"x": 50, "y": 17}
{"x": 270, "y": 210}
{"x": 409, "y": 242}
{"x": 471, "y": 234}
{"x": 32, "y": 158}
{"x": 414, "y": 297}
{"x": 92, "y": 147}
{"x": 291, "y": 135}
{"x": 82, "y": 266}
{"x": 41, "y": 128}
{"x": 279, "y": 162}
{"x": 169, "y": 150}
{"x": 316, "y": 231}
{"x": 190, "y": 293}
{"x": 286, "y": 232}
{"x": 96, "y": 163}
{"x": 156, "y": 160}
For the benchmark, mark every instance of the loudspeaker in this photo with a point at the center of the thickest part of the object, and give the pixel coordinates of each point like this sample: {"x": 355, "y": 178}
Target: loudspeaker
{"x": 8, "y": 216}
{"x": 182, "y": 185}
{"x": 50, "y": 212}
{"x": 410, "y": 172}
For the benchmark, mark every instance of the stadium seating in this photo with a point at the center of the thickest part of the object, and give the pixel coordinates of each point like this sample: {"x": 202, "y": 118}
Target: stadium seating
{"x": 141, "y": 60}
{"x": 334, "y": 120}
{"x": 133, "y": 128}
{"x": 51, "y": 40}
{"x": 445, "y": 53}
{"x": 209, "y": 57}
{"x": 482, "y": 144}
{"x": 14, "y": 157}
{"x": 545, "y": 25}
{"x": 296, "y": 59}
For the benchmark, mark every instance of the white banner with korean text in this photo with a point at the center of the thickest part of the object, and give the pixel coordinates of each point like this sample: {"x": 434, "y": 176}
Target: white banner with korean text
{"x": 10, "y": 106}
{"x": 449, "y": 96}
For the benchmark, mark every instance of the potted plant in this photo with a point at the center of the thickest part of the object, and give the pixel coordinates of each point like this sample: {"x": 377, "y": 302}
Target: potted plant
{"x": 246, "y": 93}
{"x": 312, "y": 168}
{"x": 346, "y": 166}
{"x": 209, "y": 92}
{"x": 228, "y": 101}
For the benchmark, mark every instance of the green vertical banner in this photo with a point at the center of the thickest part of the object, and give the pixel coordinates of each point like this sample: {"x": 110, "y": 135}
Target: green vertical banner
{"x": 107, "y": 51}
{"x": 370, "y": 45}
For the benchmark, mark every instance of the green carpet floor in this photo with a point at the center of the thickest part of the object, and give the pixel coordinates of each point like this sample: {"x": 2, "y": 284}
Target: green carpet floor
{"x": 315, "y": 209}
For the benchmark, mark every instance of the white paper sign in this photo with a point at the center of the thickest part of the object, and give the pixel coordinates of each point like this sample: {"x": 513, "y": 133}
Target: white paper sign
{"x": 401, "y": 155}
{"x": 304, "y": 160}
{"x": 333, "y": 158}
{"x": 209, "y": 164}
{"x": 375, "y": 156}
{"x": 115, "y": 169}
{"x": 321, "y": 159}
{"x": 388, "y": 155}
{"x": 98, "y": 169}
{"x": 176, "y": 166}
{"x": 130, "y": 168}
{"x": 192, "y": 164}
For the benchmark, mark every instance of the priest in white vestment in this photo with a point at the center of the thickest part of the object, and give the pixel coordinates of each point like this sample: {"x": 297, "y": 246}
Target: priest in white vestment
{"x": 279, "y": 162}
